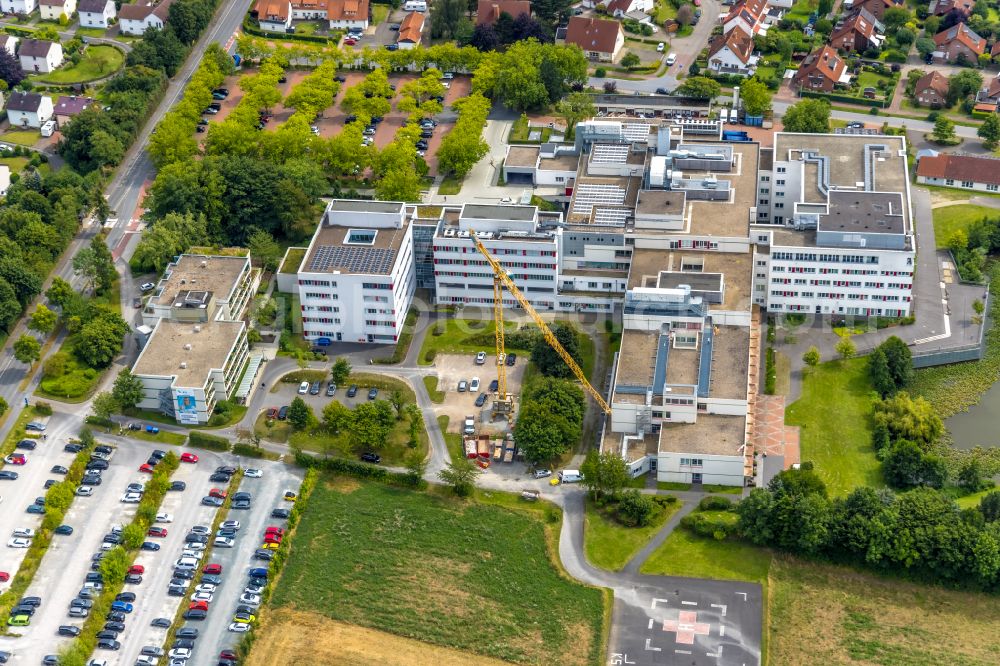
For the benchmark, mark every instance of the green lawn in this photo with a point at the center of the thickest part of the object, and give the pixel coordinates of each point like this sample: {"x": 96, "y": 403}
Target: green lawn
{"x": 21, "y": 137}
{"x": 949, "y": 219}
{"x": 97, "y": 62}
{"x": 293, "y": 260}
{"x": 431, "y": 384}
{"x": 91, "y": 32}
{"x": 687, "y": 554}
{"x": 465, "y": 574}
{"x": 17, "y": 432}
{"x": 834, "y": 413}
{"x": 609, "y": 544}
{"x": 15, "y": 164}
{"x": 460, "y": 337}
{"x": 450, "y": 185}
{"x": 663, "y": 11}
{"x": 308, "y": 27}
{"x": 801, "y": 9}
{"x": 162, "y": 437}
{"x": 75, "y": 385}
{"x": 379, "y": 13}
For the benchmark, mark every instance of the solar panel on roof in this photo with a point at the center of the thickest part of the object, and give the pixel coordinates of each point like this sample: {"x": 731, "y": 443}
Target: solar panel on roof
{"x": 353, "y": 259}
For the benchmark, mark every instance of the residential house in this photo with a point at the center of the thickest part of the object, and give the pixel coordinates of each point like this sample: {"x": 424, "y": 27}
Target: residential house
{"x": 23, "y": 7}
{"x": 348, "y": 14}
{"x": 410, "y": 30}
{"x": 858, "y": 32}
{"x": 875, "y": 7}
{"x": 25, "y": 109}
{"x": 961, "y": 8}
{"x": 9, "y": 42}
{"x": 732, "y": 53}
{"x": 931, "y": 90}
{"x": 822, "y": 71}
{"x": 96, "y": 13}
{"x": 990, "y": 94}
{"x": 51, "y": 10}
{"x": 69, "y": 106}
{"x": 751, "y": 15}
{"x": 489, "y": 11}
{"x": 39, "y": 55}
{"x": 995, "y": 51}
{"x": 309, "y": 10}
{"x": 136, "y": 19}
{"x": 600, "y": 39}
{"x": 958, "y": 43}
{"x": 621, "y": 8}
{"x": 968, "y": 172}
{"x": 4, "y": 179}
{"x": 273, "y": 15}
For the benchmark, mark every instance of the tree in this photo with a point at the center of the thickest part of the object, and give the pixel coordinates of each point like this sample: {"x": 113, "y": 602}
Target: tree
{"x": 485, "y": 38}
{"x": 906, "y": 466}
{"x": 575, "y": 107}
{"x": 104, "y": 405}
{"x": 127, "y": 389}
{"x": 989, "y": 132}
{"x": 989, "y": 506}
{"x": 925, "y": 46}
{"x": 265, "y": 249}
{"x": 300, "y": 415}
{"x": 944, "y": 130}
{"x": 114, "y": 565}
{"x": 895, "y": 17}
{"x": 10, "y": 308}
{"x": 846, "y": 348}
{"x": 900, "y": 361}
{"x": 604, "y": 473}
{"x": 548, "y": 361}
{"x": 978, "y": 307}
{"x": 970, "y": 475}
{"x": 10, "y": 69}
{"x": 100, "y": 339}
{"x": 371, "y": 425}
{"x": 810, "y": 116}
{"x": 43, "y": 320}
{"x": 27, "y": 349}
{"x": 824, "y": 7}
{"x": 96, "y": 265}
{"x": 416, "y": 419}
{"x": 447, "y": 18}
{"x": 699, "y": 87}
{"x": 685, "y": 14}
{"x": 550, "y": 419}
{"x": 461, "y": 475}
{"x": 336, "y": 417}
{"x": 60, "y": 292}
{"x": 416, "y": 465}
{"x": 964, "y": 84}
{"x": 756, "y": 97}
{"x": 630, "y": 60}
{"x": 878, "y": 373}
{"x": 908, "y": 418}
{"x": 635, "y": 508}
{"x": 340, "y": 371}
{"x": 811, "y": 357}
{"x": 401, "y": 184}
{"x": 398, "y": 402}
{"x": 904, "y": 36}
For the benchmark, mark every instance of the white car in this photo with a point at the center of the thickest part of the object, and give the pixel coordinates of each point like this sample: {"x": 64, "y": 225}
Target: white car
{"x": 230, "y": 524}
{"x": 196, "y": 554}
{"x": 85, "y": 491}
{"x": 131, "y": 498}
{"x": 194, "y": 545}
{"x": 660, "y": 47}
{"x": 253, "y": 589}
{"x": 224, "y": 542}
{"x": 205, "y": 587}
{"x": 253, "y": 473}
{"x": 239, "y": 627}
{"x": 250, "y": 599}
{"x": 303, "y": 388}
{"x": 19, "y": 543}
{"x": 671, "y": 59}
{"x": 146, "y": 286}
{"x": 164, "y": 517}
{"x": 186, "y": 563}
{"x": 180, "y": 653}
{"x": 481, "y": 358}
{"x": 474, "y": 385}
{"x": 202, "y": 530}
{"x": 202, "y": 596}
{"x": 26, "y": 532}
{"x": 506, "y": 200}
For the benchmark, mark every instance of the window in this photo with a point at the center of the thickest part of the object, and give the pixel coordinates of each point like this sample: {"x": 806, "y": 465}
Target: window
{"x": 779, "y": 205}
{"x": 360, "y": 237}
{"x": 992, "y": 188}
{"x": 967, "y": 183}
{"x": 781, "y": 169}
{"x": 765, "y": 179}
{"x": 949, "y": 181}
{"x": 762, "y": 238}
{"x": 779, "y": 182}
{"x": 765, "y": 190}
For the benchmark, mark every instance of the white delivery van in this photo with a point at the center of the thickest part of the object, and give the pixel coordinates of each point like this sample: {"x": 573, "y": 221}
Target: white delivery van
{"x": 415, "y": 6}
{"x": 570, "y": 476}
{"x": 48, "y": 127}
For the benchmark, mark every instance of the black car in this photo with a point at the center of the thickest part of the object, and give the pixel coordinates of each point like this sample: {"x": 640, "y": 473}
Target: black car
{"x": 261, "y": 554}
{"x": 197, "y": 538}
{"x": 94, "y": 578}
{"x": 426, "y": 134}
{"x": 50, "y": 660}
{"x": 133, "y": 579}
{"x": 73, "y": 448}
{"x": 97, "y": 464}
{"x": 127, "y": 597}
{"x": 30, "y": 601}
{"x": 107, "y": 634}
{"x": 152, "y": 461}
{"x": 350, "y": 118}
{"x": 372, "y": 394}
{"x": 280, "y": 513}
{"x": 59, "y": 469}
{"x": 283, "y": 413}
{"x": 511, "y": 359}
{"x": 221, "y": 91}
{"x": 27, "y": 444}
{"x": 422, "y": 145}
{"x": 90, "y": 480}
{"x": 371, "y": 457}
{"x": 241, "y": 504}
{"x": 353, "y": 391}
{"x": 115, "y": 626}
{"x": 212, "y": 579}
{"x": 176, "y": 591}
{"x": 195, "y": 614}
{"x": 242, "y": 495}
{"x": 211, "y": 501}
{"x": 159, "y": 454}
{"x": 109, "y": 644}
{"x": 64, "y": 530}
{"x": 183, "y": 643}
{"x": 186, "y": 574}
{"x": 6, "y": 475}
{"x": 339, "y": 78}
{"x": 220, "y": 478}
{"x": 331, "y": 389}
{"x": 22, "y": 610}
{"x": 315, "y": 387}
{"x": 149, "y": 545}
{"x": 113, "y": 538}
{"x": 161, "y": 622}
{"x": 187, "y": 632}
{"x": 481, "y": 400}
{"x": 80, "y": 602}
{"x": 494, "y": 386}
{"x": 115, "y": 616}
{"x": 49, "y": 483}
{"x": 68, "y": 630}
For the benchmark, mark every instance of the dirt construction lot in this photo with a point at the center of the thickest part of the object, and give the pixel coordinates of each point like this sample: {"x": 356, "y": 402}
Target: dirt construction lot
{"x": 280, "y": 644}
{"x": 451, "y": 368}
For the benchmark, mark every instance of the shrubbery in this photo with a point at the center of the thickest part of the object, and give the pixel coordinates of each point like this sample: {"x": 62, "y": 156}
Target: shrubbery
{"x": 205, "y": 441}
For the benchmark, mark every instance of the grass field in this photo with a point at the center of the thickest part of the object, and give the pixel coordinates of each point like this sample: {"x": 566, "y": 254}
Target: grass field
{"x": 834, "y": 413}
{"x": 610, "y": 545}
{"x": 465, "y": 575}
{"x": 450, "y": 185}
{"x": 687, "y": 554}
{"x": 27, "y": 137}
{"x": 97, "y": 62}
{"x": 949, "y": 219}
{"x": 431, "y": 384}
{"x": 457, "y": 336}
{"x": 15, "y": 164}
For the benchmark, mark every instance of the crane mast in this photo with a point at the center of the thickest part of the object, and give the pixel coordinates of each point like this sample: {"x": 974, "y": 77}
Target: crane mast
{"x": 500, "y": 280}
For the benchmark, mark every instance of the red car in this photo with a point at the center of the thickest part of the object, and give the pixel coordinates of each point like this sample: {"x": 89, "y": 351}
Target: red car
{"x": 189, "y": 457}
{"x": 349, "y": 42}
{"x": 146, "y": 467}
{"x": 198, "y": 605}
{"x": 272, "y": 413}
{"x": 274, "y": 530}
{"x": 137, "y": 569}
{"x": 17, "y": 459}
{"x": 4, "y": 576}
{"x": 215, "y": 569}
{"x": 272, "y": 538}
{"x": 157, "y": 531}
{"x": 216, "y": 492}
{"x": 228, "y": 654}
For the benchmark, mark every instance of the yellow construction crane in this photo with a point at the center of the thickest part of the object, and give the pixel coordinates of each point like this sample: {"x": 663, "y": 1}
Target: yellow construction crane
{"x": 500, "y": 280}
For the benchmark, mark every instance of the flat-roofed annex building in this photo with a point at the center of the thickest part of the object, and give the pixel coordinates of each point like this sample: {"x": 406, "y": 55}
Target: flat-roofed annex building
{"x": 200, "y": 288}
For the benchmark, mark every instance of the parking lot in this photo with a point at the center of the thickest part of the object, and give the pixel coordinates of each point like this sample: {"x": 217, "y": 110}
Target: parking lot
{"x": 452, "y": 368}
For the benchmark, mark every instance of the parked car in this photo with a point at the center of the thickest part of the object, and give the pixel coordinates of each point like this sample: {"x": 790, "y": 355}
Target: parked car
{"x": 481, "y": 400}
{"x": 303, "y": 388}
{"x": 481, "y": 358}
{"x": 315, "y": 388}
{"x": 511, "y": 359}
{"x": 371, "y": 458}
{"x": 189, "y": 457}
{"x": 463, "y": 386}
{"x": 353, "y": 391}
{"x": 372, "y": 393}
{"x": 331, "y": 389}
{"x": 283, "y": 413}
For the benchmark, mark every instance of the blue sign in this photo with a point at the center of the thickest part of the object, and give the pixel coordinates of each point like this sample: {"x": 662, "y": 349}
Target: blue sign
{"x": 324, "y": 342}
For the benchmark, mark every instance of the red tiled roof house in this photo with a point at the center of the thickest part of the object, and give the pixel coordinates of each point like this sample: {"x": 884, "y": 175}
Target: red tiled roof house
{"x": 600, "y": 39}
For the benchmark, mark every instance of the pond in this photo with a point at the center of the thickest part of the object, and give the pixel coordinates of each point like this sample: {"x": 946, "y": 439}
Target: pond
{"x": 978, "y": 426}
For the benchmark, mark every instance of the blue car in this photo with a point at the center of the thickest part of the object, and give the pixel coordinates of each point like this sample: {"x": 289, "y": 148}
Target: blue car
{"x": 258, "y": 572}
{"x": 121, "y": 606}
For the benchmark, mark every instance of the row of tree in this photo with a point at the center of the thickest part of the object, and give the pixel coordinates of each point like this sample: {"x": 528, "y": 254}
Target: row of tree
{"x": 922, "y": 533}
{"x": 972, "y": 245}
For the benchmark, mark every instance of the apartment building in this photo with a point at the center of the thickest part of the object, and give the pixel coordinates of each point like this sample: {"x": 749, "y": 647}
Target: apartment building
{"x": 198, "y": 288}
{"x": 842, "y": 239}
{"x": 356, "y": 279}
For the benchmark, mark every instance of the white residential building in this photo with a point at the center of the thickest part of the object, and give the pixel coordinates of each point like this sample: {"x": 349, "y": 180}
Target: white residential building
{"x": 23, "y": 7}
{"x": 96, "y": 13}
{"x": 51, "y": 10}
{"x": 356, "y": 280}
{"x": 40, "y": 56}
{"x": 28, "y": 109}
{"x": 136, "y": 19}
{"x": 9, "y": 42}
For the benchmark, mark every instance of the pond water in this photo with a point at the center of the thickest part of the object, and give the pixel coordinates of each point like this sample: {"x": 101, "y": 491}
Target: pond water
{"x": 980, "y": 426}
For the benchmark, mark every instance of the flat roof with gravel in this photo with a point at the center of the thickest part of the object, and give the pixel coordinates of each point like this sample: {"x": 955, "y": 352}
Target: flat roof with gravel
{"x": 168, "y": 348}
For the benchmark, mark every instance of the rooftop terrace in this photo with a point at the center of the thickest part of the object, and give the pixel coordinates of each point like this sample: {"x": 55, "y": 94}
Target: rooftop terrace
{"x": 711, "y": 434}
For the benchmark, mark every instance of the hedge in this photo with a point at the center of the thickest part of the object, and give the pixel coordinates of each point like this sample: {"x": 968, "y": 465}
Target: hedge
{"x": 709, "y": 526}
{"x": 250, "y": 451}
{"x": 715, "y": 503}
{"x": 206, "y": 441}
{"x": 251, "y": 29}
{"x": 98, "y": 421}
{"x": 360, "y": 470}
{"x": 848, "y": 99}
{"x": 299, "y": 376}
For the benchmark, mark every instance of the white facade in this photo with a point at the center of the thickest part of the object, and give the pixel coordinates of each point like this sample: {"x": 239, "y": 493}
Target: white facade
{"x": 52, "y": 60}
{"x": 136, "y": 27}
{"x": 972, "y": 185}
{"x": 700, "y": 468}
{"x": 18, "y": 6}
{"x": 4, "y": 179}
{"x": 33, "y": 119}
{"x": 201, "y": 288}
{"x": 366, "y": 303}
{"x": 53, "y": 12}
{"x": 101, "y": 19}
{"x": 724, "y": 61}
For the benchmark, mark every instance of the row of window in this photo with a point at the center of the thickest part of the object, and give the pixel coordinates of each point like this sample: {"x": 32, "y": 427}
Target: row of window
{"x": 697, "y": 245}
{"x": 838, "y": 295}
{"x": 970, "y": 184}
{"x": 320, "y": 308}
{"x": 317, "y": 283}
{"x": 834, "y": 258}
{"x": 863, "y": 312}
{"x": 489, "y": 276}
{"x": 496, "y": 252}
{"x": 483, "y": 262}
{"x": 319, "y": 294}
{"x": 692, "y": 462}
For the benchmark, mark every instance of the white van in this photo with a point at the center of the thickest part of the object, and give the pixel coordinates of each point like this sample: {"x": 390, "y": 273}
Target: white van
{"x": 48, "y": 128}
{"x": 415, "y": 6}
{"x": 570, "y": 476}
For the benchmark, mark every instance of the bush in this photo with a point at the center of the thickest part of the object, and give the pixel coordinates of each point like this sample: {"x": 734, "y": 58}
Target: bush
{"x": 250, "y": 451}
{"x": 299, "y": 376}
{"x": 715, "y": 503}
{"x": 430, "y": 355}
{"x": 600, "y": 72}
{"x": 210, "y": 442}
{"x": 709, "y": 525}
{"x": 43, "y": 409}
{"x": 360, "y": 470}
{"x": 98, "y": 421}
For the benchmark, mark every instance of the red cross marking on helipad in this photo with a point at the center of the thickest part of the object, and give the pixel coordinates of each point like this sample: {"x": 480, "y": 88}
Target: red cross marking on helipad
{"x": 686, "y": 626}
